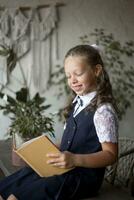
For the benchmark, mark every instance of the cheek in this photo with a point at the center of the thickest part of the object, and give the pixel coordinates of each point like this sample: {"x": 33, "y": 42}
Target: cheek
{"x": 69, "y": 82}
{"x": 89, "y": 81}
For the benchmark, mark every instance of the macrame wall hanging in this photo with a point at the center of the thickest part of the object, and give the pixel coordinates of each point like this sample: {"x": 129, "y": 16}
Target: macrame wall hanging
{"x": 31, "y": 32}
{"x": 14, "y": 39}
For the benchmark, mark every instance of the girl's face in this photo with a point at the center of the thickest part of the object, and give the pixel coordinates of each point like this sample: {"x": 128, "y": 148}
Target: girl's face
{"x": 80, "y": 75}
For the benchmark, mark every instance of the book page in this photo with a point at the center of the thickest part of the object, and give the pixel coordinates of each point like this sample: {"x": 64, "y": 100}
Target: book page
{"x": 27, "y": 142}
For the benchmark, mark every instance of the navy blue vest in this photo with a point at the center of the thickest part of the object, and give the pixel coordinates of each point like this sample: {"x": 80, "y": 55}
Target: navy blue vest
{"x": 80, "y": 134}
{"x": 80, "y": 137}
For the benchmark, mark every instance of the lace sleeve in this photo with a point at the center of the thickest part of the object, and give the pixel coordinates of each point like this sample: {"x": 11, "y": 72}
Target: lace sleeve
{"x": 106, "y": 124}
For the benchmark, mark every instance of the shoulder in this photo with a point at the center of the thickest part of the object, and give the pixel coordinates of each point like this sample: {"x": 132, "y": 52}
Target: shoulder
{"x": 105, "y": 110}
{"x": 106, "y": 113}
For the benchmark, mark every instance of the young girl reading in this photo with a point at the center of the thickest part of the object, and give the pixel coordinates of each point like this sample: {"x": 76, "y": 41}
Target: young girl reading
{"x": 89, "y": 142}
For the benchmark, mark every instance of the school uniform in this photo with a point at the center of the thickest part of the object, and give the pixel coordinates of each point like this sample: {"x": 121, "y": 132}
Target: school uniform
{"x": 79, "y": 137}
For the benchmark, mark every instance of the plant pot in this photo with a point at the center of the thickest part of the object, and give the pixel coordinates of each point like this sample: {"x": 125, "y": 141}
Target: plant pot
{"x": 16, "y": 160}
{"x": 17, "y": 141}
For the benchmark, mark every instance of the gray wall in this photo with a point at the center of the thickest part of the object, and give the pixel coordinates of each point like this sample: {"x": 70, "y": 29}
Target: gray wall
{"x": 79, "y": 17}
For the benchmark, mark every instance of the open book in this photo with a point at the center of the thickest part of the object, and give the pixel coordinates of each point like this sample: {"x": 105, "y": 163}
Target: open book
{"x": 34, "y": 151}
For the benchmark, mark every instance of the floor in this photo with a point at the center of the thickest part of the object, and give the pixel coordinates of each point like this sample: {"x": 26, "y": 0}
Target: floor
{"x": 108, "y": 192}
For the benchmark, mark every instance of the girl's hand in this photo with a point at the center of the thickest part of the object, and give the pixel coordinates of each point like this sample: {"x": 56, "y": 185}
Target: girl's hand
{"x": 62, "y": 160}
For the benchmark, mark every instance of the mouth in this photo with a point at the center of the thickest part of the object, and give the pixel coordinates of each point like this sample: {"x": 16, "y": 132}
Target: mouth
{"x": 77, "y": 87}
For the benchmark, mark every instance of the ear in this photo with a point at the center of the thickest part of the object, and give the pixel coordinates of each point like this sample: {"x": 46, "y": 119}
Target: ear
{"x": 98, "y": 70}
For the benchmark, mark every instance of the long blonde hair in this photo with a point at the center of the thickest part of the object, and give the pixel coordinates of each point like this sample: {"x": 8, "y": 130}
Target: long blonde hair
{"x": 104, "y": 88}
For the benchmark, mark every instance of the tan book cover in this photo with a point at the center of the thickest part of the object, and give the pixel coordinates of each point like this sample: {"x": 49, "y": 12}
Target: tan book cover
{"x": 34, "y": 153}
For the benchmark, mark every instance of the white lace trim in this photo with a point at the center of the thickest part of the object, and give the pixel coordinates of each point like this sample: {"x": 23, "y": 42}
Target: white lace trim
{"x": 106, "y": 124}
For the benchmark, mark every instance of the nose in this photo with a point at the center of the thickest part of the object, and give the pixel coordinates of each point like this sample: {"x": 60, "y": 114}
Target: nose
{"x": 73, "y": 79}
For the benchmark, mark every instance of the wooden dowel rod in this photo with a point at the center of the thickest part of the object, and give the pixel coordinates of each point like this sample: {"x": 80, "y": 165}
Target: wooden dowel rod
{"x": 58, "y": 4}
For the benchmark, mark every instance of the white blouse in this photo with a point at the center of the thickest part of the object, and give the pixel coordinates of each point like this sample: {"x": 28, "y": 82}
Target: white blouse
{"x": 105, "y": 118}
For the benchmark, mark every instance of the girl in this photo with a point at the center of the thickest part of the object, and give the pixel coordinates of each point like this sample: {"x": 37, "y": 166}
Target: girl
{"x": 89, "y": 142}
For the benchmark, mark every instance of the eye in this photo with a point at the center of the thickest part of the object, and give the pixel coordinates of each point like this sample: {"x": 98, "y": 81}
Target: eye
{"x": 79, "y": 73}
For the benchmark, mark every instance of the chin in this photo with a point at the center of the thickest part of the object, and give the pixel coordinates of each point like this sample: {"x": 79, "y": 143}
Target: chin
{"x": 80, "y": 93}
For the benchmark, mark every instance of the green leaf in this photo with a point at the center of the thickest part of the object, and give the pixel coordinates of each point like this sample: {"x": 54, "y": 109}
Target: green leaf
{"x": 11, "y": 100}
{"x": 1, "y": 95}
{"x": 38, "y": 99}
{"x": 22, "y": 95}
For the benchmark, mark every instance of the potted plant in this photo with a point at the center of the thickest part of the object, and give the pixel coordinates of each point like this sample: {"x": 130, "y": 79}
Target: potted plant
{"x": 28, "y": 119}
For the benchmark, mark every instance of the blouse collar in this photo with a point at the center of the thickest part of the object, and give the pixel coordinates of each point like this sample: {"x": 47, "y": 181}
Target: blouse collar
{"x": 86, "y": 99}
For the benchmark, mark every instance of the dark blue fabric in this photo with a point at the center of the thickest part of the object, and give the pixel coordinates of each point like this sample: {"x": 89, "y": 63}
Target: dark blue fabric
{"x": 79, "y": 137}
{"x": 26, "y": 184}
{"x": 80, "y": 134}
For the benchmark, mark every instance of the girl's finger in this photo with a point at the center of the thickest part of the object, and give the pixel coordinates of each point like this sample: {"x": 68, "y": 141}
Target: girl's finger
{"x": 60, "y": 164}
{"x": 52, "y": 161}
{"x": 53, "y": 155}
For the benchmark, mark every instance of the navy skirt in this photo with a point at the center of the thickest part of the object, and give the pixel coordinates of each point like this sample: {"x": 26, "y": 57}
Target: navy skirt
{"x": 27, "y": 184}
